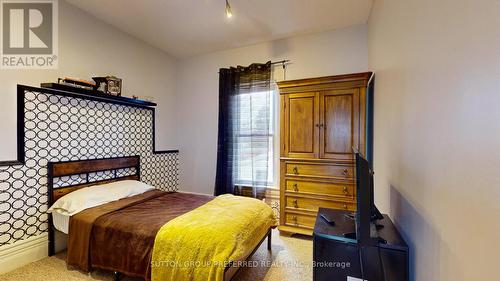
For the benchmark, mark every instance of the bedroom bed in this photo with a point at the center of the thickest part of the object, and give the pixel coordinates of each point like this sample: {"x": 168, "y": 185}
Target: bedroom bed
{"x": 132, "y": 235}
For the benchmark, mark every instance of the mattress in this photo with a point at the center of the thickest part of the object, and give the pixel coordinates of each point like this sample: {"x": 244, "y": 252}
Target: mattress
{"x": 61, "y": 222}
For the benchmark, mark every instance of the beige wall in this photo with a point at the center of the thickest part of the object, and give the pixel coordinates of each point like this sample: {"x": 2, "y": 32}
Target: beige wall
{"x": 437, "y": 113}
{"x": 437, "y": 131}
{"x": 88, "y": 47}
{"x": 328, "y": 53}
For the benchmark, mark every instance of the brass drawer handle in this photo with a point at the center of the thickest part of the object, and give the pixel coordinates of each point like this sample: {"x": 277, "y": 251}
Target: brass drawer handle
{"x": 345, "y": 190}
{"x": 296, "y": 170}
{"x": 345, "y": 172}
{"x": 294, "y": 219}
{"x": 345, "y": 206}
{"x": 295, "y": 203}
{"x": 295, "y": 187}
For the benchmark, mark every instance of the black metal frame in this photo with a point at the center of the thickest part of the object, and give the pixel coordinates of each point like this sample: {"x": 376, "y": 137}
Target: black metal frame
{"x": 370, "y": 103}
{"x": 21, "y": 90}
{"x": 50, "y": 188}
{"x": 50, "y": 191}
{"x": 269, "y": 247}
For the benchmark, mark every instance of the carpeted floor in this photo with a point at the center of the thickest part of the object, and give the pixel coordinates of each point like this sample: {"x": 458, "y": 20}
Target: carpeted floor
{"x": 289, "y": 260}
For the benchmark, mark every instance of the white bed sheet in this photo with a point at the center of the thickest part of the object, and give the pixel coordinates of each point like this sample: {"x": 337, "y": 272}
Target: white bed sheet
{"x": 61, "y": 222}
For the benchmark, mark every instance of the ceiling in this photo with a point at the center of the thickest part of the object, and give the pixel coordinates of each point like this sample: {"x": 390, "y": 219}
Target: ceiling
{"x": 185, "y": 28}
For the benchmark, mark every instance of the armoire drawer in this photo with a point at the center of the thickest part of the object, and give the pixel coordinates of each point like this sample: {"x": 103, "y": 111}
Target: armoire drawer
{"x": 310, "y": 204}
{"x": 299, "y": 220}
{"x": 320, "y": 170}
{"x": 345, "y": 190}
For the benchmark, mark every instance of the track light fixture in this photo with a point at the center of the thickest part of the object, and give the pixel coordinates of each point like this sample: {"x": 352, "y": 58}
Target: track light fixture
{"x": 229, "y": 14}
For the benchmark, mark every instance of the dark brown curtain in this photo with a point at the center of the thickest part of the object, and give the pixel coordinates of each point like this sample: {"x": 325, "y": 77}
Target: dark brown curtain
{"x": 244, "y": 140}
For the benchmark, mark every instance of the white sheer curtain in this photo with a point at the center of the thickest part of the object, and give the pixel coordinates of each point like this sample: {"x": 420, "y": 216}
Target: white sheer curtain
{"x": 254, "y": 139}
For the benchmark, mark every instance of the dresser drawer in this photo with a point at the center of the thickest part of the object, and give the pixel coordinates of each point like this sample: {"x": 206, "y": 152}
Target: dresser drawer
{"x": 320, "y": 188}
{"x": 320, "y": 170}
{"x": 299, "y": 220}
{"x": 311, "y": 204}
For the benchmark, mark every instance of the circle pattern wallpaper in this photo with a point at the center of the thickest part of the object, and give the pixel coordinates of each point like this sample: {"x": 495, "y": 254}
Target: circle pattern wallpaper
{"x": 60, "y": 128}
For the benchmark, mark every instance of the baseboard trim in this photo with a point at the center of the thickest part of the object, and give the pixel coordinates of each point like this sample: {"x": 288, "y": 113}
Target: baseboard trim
{"x": 20, "y": 253}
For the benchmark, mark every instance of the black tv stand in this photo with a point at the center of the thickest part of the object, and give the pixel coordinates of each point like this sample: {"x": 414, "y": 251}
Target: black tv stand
{"x": 387, "y": 260}
{"x": 350, "y": 235}
{"x": 375, "y": 218}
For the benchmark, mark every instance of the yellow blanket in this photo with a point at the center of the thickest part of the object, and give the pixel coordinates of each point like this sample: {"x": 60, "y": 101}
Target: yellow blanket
{"x": 198, "y": 245}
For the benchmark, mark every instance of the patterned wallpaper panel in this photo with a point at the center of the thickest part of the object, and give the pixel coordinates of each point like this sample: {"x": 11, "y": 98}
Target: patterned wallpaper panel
{"x": 59, "y": 128}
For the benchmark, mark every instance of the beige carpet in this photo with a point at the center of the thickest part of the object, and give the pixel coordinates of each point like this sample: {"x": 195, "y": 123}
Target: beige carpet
{"x": 289, "y": 260}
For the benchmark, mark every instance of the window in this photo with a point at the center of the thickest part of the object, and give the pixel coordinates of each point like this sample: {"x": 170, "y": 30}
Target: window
{"x": 255, "y": 139}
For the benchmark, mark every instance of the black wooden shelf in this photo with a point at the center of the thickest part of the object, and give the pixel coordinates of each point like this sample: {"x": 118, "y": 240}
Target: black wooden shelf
{"x": 92, "y": 94}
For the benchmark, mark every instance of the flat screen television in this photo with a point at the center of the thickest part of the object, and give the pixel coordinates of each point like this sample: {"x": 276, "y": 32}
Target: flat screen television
{"x": 367, "y": 213}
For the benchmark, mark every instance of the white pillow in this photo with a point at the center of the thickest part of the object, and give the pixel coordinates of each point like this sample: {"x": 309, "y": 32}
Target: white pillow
{"x": 96, "y": 195}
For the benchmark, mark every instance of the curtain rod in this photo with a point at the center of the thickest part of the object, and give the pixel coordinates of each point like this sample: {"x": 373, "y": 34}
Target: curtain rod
{"x": 280, "y": 62}
{"x": 283, "y": 63}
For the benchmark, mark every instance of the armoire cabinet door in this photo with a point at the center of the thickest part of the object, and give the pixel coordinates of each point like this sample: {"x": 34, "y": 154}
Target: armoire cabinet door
{"x": 301, "y": 125}
{"x": 339, "y": 123}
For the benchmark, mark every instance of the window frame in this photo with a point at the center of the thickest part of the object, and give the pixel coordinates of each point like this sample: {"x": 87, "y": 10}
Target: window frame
{"x": 274, "y": 143}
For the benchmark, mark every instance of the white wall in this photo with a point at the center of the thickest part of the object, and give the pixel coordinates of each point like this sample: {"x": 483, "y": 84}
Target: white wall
{"x": 437, "y": 131}
{"x": 89, "y": 47}
{"x": 328, "y": 53}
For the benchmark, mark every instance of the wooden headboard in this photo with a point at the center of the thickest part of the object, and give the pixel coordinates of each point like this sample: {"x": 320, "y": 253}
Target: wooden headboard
{"x": 86, "y": 167}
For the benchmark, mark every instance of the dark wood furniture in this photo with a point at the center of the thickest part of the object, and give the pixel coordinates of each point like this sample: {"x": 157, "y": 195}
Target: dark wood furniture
{"x": 322, "y": 120}
{"x": 86, "y": 167}
{"x": 330, "y": 246}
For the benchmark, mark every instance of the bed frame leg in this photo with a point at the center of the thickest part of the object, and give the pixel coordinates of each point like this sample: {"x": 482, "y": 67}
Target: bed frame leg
{"x": 269, "y": 235}
{"x": 116, "y": 276}
{"x": 52, "y": 244}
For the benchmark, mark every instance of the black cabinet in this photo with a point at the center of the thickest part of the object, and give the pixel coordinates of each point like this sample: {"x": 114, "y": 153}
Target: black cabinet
{"x": 337, "y": 257}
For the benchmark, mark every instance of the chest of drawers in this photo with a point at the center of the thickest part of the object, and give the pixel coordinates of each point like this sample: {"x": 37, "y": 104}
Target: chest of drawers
{"x": 307, "y": 186}
{"x": 321, "y": 121}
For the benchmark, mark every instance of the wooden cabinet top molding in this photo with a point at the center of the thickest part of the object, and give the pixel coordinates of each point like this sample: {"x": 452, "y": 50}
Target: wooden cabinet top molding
{"x": 335, "y": 81}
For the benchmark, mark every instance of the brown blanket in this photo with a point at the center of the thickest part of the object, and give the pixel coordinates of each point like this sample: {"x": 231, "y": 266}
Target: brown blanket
{"x": 120, "y": 235}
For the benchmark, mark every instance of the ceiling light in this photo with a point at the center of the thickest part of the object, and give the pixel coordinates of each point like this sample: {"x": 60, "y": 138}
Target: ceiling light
{"x": 229, "y": 14}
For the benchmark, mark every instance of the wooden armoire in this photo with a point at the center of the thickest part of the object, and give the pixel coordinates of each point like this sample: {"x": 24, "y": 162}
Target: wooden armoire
{"x": 321, "y": 121}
